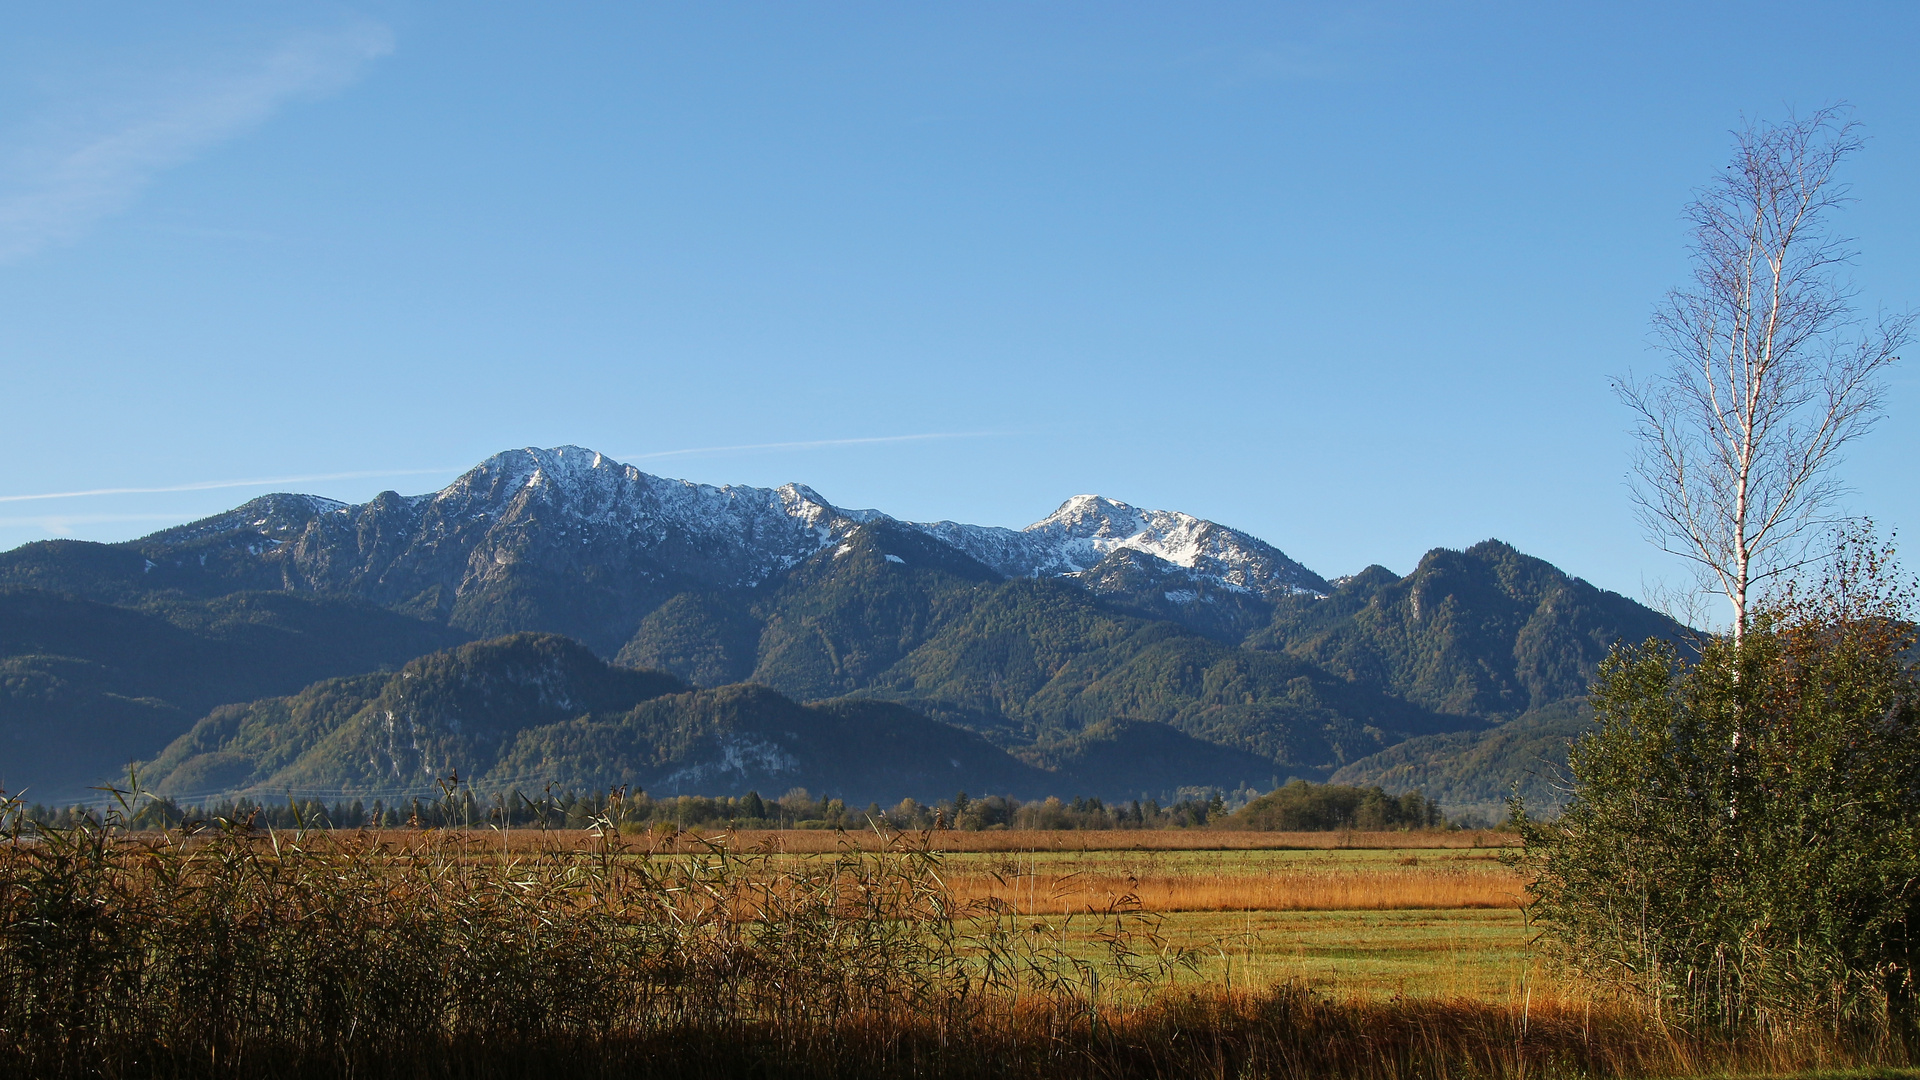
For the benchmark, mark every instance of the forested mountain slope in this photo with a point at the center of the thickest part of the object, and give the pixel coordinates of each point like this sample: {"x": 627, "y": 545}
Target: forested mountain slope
{"x": 891, "y": 613}
{"x": 1485, "y": 632}
{"x": 1474, "y": 772}
{"x": 530, "y": 711}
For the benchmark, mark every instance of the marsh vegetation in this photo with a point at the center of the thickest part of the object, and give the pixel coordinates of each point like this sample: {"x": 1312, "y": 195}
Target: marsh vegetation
{"x": 219, "y": 950}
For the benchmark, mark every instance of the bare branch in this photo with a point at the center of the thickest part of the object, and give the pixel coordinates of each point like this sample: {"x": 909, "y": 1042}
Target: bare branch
{"x": 1771, "y": 375}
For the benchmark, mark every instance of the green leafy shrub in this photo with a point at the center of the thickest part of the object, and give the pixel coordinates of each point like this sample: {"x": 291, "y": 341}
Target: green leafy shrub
{"x": 1743, "y": 842}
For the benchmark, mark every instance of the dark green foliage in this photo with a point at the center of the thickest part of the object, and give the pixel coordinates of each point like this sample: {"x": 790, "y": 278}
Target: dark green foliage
{"x": 1303, "y": 807}
{"x": 1474, "y": 773}
{"x": 1743, "y": 845}
{"x": 1019, "y": 660}
{"x": 105, "y": 573}
{"x": 1484, "y": 632}
{"x": 237, "y": 747}
{"x": 706, "y": 638}
{"x": 591, "y": 603}
{"x": 843, "y": 618}
{"x": 1054, "y": 813}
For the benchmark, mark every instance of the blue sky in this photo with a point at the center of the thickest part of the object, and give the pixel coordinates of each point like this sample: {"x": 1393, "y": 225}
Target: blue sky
{"x": 1351, "y": 277}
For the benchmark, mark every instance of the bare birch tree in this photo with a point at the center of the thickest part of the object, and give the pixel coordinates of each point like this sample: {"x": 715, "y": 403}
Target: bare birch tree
{"x": 1772, "y": 372}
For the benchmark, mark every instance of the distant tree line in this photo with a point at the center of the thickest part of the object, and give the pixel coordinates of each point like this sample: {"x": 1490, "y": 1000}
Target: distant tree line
{"x": 1304, "y": 807}
{"x": 1298, "y": 807}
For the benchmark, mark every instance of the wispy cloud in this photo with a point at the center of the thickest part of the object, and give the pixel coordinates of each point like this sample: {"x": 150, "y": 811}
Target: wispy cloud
{"x": 214, "y": 485}
{"x": 73, "y": 173}
{"x": 810, "y": 444}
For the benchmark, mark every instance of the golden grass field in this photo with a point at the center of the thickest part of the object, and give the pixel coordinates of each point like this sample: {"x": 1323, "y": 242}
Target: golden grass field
{"x": 1359, "y": 915}
{"x": 1369, "y": 915}
{"x": 1357, "y": 922}
{"x": 1365, "y": 879}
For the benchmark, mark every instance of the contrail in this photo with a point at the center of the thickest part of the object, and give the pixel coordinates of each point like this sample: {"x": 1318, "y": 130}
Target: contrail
{"x": 212, "y": 485}
{"x": 808, "y": 445}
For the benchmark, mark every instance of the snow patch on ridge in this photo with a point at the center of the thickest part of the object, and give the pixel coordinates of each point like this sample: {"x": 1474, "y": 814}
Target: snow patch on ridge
{"x": 1088, "y": 528}
{"x": 739, "y": 756}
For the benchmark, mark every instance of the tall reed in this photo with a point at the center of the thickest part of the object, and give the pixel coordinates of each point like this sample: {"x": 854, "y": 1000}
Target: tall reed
{"x": 126, "y": 952}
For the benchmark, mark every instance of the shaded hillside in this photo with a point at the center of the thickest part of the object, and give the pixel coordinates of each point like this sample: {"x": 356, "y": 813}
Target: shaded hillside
{"x": 842, "y": 619}
{"x": 1484, "y": 632}
{"x": 1042, "y": 660}
{"x": 447, "y": 712}
{"x": 706, "y": 638}
{"x": 1143, "y": 584}
{"x": 86, "y": 687}
{"x": 1471, "y": 773}
{"x": 736, "y": 739}
{"x": 1118, "y": 760}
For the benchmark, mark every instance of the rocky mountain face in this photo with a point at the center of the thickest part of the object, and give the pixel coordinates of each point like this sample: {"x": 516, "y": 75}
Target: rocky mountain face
{"x": 1100, "y": 618}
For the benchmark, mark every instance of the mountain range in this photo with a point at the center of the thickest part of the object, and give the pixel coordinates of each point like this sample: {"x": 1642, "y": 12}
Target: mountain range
{"x": 1104, "y": 650}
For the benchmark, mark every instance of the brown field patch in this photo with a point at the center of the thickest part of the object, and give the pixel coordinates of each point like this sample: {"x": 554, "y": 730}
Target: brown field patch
{"x": 1342, "y": 889}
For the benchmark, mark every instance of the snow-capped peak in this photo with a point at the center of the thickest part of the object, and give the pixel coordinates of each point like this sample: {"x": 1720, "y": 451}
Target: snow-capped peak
{"x": 1086, "y": 529}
